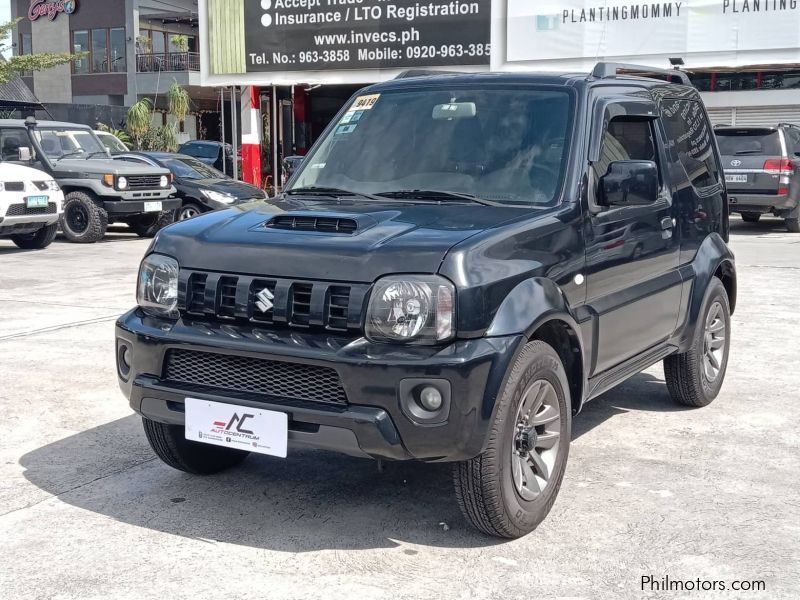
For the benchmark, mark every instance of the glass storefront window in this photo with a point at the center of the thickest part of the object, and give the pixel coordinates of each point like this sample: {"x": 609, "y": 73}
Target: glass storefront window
{"x": 99, "y": 50}
{"x": 80, "y": 43}
{"x": 117, "y": 49}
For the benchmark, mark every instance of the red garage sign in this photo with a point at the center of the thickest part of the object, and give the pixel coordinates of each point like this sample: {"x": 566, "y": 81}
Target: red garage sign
{"x": 40, "y": 8}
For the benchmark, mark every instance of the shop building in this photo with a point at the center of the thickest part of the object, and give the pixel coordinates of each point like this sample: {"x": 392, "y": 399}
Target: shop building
{"x": 131, "y": 52}
{"x": 296, "y": 63}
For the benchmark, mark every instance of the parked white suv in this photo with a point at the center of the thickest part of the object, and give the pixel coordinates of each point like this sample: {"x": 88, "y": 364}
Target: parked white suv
{"x": 30, "y": 205}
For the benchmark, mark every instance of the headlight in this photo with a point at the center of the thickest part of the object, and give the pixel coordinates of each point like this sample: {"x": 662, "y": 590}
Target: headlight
{"x": 122, "y": 183}
{"x": 52, "y": 185}
{"x": 218, "y": 196}
{"x": 164, "y": 181}
{"x": 157, "y": 288}
{"x": 411, "y": 308}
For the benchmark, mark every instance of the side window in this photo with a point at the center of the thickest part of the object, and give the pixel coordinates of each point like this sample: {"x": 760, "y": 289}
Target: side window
{"x": 11, "y": 140}
{"x": 689, "y": 135}
{"x": 626, "y": 139}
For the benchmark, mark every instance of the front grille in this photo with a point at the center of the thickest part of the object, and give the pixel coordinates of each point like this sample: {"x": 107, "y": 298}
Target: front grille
{"x": 20, "y": 210}
{"x": 313, "y": 223}
{"x": 14, "y": 186}
{"x": 143, "y": 182}
{"x": 275, "y": 301}
{"x": 254, "y": 375}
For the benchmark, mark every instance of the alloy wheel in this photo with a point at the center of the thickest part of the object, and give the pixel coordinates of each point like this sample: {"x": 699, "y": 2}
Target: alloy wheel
{"x": 713, "y": 342}
{"x": 534, "y": 448}
{"x": 187, "y": 212}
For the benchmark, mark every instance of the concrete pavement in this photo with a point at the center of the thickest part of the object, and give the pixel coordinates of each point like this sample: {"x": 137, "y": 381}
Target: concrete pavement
{"x": 86, "y": 511}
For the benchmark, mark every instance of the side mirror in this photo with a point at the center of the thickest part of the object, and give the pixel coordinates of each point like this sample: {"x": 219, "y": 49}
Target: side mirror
{"x": 25, "y": 154}
{"x": 629, "y": 183}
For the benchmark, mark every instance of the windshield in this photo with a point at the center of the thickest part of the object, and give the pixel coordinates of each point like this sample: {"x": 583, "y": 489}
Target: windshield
{"x": 73, "y": 143}
{"x": 189, "y": 168}
{"x": 504, "y": 145}
{"x": 754, "y": 141}
{"x": 200, "y": 150}
{"x": 112, "y": 143}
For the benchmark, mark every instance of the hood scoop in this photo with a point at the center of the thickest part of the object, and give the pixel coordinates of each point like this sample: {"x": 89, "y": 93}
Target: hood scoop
{"x": 322, "y": 224}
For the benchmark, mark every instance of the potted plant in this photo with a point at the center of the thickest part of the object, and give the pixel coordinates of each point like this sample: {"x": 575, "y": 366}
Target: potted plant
{"x": 181, "y": 45}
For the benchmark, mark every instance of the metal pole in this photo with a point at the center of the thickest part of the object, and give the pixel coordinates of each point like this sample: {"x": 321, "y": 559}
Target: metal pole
{"x": 274, "y": 136}
{"x": 294, "y": 141}
{"x": 222, "y": 129}
{"x": 235, "y": 132}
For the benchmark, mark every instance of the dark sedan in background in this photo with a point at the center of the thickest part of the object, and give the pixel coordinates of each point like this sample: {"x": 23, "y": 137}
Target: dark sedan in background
{"x": 211, "y": 153}
{"x": 201, "y": 188}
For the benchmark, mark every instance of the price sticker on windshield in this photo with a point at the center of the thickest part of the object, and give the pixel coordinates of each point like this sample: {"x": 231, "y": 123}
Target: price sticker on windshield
{"x": 365, "y": 102}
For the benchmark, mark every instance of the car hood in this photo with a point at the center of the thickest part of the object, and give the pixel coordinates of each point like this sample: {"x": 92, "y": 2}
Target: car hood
{"x": 389, "y": 238}
{"x": 102, "y": 166}
{"x": 237, "y": 189}
{"x": 12, "y": 172}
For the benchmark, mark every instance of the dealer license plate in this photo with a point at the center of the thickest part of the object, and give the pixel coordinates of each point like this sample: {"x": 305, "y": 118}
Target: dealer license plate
{"x": 239, "y": 427}
{"x": 36, "y": 201}
{"x": 152, "y": 206}
{"x": 736, "y": 178}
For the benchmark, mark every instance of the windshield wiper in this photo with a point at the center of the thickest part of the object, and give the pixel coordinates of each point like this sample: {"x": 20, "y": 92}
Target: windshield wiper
{"x": 743, "y": 152}
{"x": 329, "y": 191}
{"x": 437, "y": 195}
{"x": 69, "y": 154}
{"x": 91, "y": 154}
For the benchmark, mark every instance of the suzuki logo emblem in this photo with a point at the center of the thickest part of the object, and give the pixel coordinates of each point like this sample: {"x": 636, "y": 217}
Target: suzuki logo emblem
{"x": 264, "y": 300}
{"x": 736, "y": 163}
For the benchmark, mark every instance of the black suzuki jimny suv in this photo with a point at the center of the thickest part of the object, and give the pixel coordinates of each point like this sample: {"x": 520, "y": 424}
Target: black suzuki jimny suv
{"x": 460, "y": 262}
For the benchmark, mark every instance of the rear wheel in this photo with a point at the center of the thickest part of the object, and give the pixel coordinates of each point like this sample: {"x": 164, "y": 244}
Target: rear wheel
{"x": 38, "y": 239}
{"x": 750, "y": 217}
{"x": 508, "y": 489}
{"x": 695, "y": 377}
{"x": 170, "y": 445}
{"x": 793, "y": 225}
{"x": 147, "y": 225}
{"x": 83, "y": 221}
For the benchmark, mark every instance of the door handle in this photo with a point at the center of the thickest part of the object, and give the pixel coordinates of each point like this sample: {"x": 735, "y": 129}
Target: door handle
{"x": 666, "y": 223}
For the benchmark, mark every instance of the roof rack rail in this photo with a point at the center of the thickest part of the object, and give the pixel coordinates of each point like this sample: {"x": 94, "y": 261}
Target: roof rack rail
{"x": 604, "y": 70}
{"x": 426, "y": 73}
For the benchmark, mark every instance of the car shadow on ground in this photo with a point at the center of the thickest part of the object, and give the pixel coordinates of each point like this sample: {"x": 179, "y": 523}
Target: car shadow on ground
{"x": 766, "y": 225}
{"x": 313, "y": 500}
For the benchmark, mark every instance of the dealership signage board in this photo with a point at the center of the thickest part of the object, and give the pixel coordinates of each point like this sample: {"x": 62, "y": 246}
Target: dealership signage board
{"x": 317, "y": 35}
{"x": 572, "y": 29}
{"x": 287, "y": 42}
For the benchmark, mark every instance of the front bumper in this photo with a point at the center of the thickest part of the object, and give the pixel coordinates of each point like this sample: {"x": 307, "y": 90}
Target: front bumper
{"x": 760, "y": 203}
{"x": 372, "y": 423}
{"x": 131, "y": 207}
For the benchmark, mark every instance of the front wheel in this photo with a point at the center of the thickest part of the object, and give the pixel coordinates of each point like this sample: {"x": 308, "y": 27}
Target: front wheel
{"x": 170, "y": 445}
{"x": 695, "y": 377}
{"x": 507, "y": 490}
{"x": 38, "y": 239}
{"x": 83, "y": 221}
{"x": 188, "y": 211}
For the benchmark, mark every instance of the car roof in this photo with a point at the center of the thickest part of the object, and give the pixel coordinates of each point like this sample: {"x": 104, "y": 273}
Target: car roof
{"x": 157, "y": 155}
{"x": 202, "y": 143}
{"x": 745, "y": 129}
{"x": 59, "y": 124}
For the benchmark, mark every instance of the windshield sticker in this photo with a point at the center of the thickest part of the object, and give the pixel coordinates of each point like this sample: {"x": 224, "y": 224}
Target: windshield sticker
{"x": 345, "y": 129}
{"x": 365, "y": 102}
{"x": 348, "y": 116}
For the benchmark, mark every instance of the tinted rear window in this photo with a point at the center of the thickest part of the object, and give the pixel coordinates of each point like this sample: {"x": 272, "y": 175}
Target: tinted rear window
{"x": 744, "y": 142}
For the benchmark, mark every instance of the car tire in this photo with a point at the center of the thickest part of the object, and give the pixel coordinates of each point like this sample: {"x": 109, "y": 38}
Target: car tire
{"x": 496, "y": 491}
{"x": 695, "y": 377}
{"x": 170, "y": 445}
{"x": 38, "y": 239}
{"x": 188, "y": 211}
{"x": 148, "y": 225}
{"x": 749, "y": 217}
{"x": 793, "y": 225}
{"x": 83, "y": 221}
